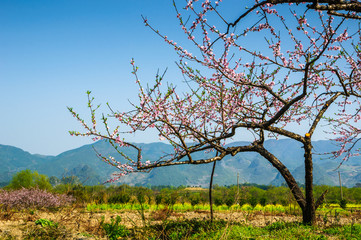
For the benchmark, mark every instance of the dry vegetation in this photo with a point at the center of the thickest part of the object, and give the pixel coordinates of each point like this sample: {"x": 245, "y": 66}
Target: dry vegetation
{"x": 77, "y": 223}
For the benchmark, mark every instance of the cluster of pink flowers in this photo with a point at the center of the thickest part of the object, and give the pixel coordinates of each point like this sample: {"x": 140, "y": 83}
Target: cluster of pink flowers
{"x": 33, "y": 198}
{"x": 305, "y": 61}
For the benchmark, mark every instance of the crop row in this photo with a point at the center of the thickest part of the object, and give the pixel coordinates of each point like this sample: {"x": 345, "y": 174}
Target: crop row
{"x": 277, "y": 208}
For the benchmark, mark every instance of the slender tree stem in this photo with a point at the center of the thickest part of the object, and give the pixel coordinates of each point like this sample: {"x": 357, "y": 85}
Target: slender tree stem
{"x": 210, "y": 190}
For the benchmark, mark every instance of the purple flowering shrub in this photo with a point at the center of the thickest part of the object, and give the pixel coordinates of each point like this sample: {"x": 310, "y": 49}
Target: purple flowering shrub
{"x": 33, "y": 198}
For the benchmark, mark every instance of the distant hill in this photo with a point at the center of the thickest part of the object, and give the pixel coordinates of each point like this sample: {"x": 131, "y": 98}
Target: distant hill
{"x": 251, "y": 167}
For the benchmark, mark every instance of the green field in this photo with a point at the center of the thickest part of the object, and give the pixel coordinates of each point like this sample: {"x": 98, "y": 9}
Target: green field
{"x": 269, "y": 208}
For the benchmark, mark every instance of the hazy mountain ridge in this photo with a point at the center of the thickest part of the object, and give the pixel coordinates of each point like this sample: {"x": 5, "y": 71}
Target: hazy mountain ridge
{"x": 251, "y": 167}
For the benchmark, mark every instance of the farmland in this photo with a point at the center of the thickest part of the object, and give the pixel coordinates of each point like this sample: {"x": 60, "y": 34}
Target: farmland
{"x": 81, "y": 223}
{"x": 126, "y": 212}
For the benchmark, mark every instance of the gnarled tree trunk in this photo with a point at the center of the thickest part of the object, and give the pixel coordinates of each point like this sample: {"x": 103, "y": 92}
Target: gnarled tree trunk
{"x": 306, "y": 202}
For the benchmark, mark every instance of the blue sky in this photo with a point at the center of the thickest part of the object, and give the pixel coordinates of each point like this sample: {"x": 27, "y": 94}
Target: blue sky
{"x": 52, "y": 52}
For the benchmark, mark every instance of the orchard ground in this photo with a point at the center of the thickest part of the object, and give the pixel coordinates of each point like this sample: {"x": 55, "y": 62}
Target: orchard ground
{"x": 84, "y": 222}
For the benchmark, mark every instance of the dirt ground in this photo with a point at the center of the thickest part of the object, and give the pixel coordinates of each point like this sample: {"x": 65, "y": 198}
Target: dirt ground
{"x": 82, "y": 224}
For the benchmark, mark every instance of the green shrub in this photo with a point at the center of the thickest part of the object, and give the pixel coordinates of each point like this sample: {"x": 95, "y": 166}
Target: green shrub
{"x": 119, "y": 198}
{"x": 45, "y": 222}
{"x": 28, "y": 179}
{"x": 263, "y": 201}
{"x": 343, "y": 203}
{"x": 114, "y": 230}
{"x": 195, "y": 199}
{"x": 229, "y": 201}
{"x": 169, "y": 197}
{"x": 253, "y": 201}
{"x": 218, "y": 200}
{"x": 158, "y": 199}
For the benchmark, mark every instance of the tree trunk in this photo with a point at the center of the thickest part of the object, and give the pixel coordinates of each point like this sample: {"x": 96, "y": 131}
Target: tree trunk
{"x": 210, "y": 191}
{"x": 307, "y": 202}
{"x": 286, "y": 174}
{"x": 309, "y": 213}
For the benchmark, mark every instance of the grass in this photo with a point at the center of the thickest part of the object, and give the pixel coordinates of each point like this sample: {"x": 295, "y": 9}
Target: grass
{"x": 220, "y": 229}
{"x": 187, "y": 229}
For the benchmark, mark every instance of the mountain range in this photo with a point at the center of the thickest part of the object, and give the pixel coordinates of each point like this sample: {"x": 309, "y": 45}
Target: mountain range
{"x": 251, "y": 167}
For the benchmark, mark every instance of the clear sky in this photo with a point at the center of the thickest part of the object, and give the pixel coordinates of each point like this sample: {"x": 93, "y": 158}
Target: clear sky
{"x": 52, "y": 52}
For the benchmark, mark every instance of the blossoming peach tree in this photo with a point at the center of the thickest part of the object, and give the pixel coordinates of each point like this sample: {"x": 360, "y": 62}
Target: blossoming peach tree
{"x": 274, "y": 68}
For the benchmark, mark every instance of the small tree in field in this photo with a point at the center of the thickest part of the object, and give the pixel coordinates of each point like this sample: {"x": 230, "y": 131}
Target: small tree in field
{"x": 285, "y": 66}
{"x": 28, "y": 179}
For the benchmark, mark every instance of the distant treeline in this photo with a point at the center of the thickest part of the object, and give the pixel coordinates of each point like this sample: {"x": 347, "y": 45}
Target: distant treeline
{"x": 252, "y": 194}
